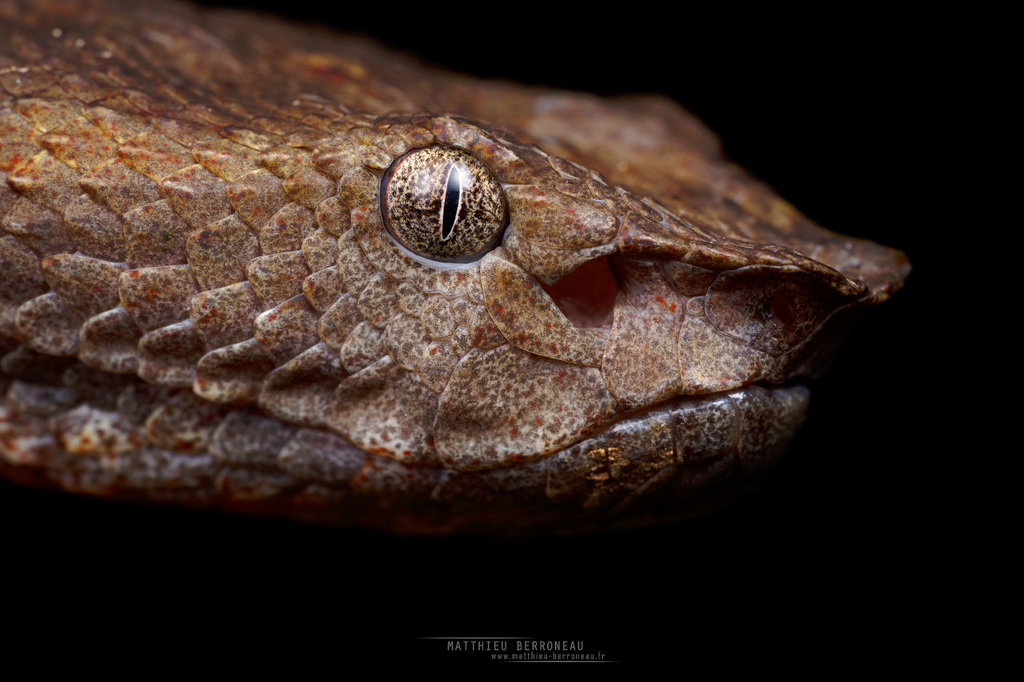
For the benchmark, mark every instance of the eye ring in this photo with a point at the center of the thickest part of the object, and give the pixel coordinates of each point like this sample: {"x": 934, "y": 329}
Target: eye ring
{"x": 443, "y": 204}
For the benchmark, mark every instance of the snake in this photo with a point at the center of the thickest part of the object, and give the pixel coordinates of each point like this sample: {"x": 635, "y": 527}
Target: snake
{"x": 255, "y": 266}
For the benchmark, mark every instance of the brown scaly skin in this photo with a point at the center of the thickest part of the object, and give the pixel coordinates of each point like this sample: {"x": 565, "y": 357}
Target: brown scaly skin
{"x": 233, "y": 327}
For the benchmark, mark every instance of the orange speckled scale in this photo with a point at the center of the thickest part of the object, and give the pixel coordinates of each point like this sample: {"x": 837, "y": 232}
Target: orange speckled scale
{"x": 203, "y": 302}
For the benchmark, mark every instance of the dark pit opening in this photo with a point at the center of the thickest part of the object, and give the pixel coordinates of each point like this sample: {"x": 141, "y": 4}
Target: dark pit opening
{"x": 782, "y": 310}
{"x": 587, "y": 295}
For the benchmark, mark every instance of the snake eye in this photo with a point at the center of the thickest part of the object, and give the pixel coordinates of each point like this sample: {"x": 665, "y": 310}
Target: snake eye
{"x": 442, "y": 204}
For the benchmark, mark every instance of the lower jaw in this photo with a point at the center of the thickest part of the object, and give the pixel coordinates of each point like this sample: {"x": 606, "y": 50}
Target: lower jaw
{"x": 678, "y": 459}
{"x": 673, "y": 460}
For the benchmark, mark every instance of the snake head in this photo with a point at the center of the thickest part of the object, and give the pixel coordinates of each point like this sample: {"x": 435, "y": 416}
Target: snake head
{"x": 586, "y": 334}
{"x": 409, "y": 321}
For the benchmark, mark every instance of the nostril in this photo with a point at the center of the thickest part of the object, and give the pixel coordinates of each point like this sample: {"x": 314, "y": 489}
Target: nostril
{"x": 782, "y": 310}
{"x": 587, "y": 295}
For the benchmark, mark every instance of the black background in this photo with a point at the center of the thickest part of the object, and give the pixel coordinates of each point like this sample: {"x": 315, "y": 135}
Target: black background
{"x": 836, "y": 114}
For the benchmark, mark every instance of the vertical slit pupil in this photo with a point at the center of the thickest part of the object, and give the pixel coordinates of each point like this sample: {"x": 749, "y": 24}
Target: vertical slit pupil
{"x": 452, "y": 203}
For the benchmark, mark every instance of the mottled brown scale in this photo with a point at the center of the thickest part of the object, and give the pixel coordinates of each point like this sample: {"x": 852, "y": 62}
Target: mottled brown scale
{"x": 120, "y": 188}
{"x": 49, "y": 325}
{"x": 109, "y": 341}
{"x": 339, "y": 320}
{"x": 87, "y": 285}
{"x": 233, "y": 272}
{"x": 79, "y": 144}
{"x": 168, "y": 355}
{"x": 361, "y": 347}
{"x": 196, "y": 194}
{"x": 286, "y": 229}
{"x": 530, "y": 320}
{"x": 277, "y": 276}
{"x": 286, "y": 330}
{"x": 308, "y": 188}
{"x": 224, "y": 316}
{"x": 225, "y": 158}
{"x": 323, "y": 288}
{"x": 219, "y": 254}
{"x": 155, "y": 297}
{"x": 302, "y": 390}
{"x": 95, "y": 230}
{"x": 154, "y": 155}
{"x": 256, "y": 197}
{"x": 154, "y": 235}
{"x": 37, "y": 228}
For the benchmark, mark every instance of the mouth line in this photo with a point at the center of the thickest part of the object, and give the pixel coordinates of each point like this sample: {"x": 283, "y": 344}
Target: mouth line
{"x": 676, "y": 401}
{"x": 651, "y": 416}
